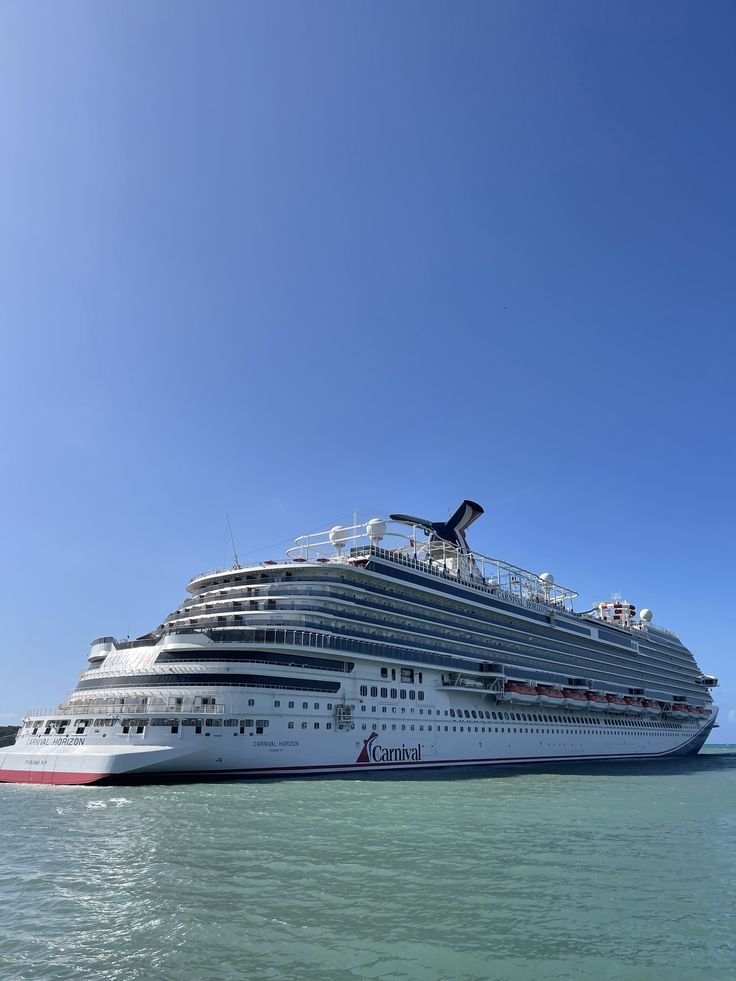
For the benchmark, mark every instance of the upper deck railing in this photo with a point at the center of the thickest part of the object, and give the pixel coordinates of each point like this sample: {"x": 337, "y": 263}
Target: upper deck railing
{"x": 434, "y": 555}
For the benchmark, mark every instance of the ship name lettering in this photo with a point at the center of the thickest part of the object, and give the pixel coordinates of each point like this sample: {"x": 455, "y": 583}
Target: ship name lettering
{"x": 69, "y": 741}
{"x": 396, "y": 754}
{"x": 38, "y": 741}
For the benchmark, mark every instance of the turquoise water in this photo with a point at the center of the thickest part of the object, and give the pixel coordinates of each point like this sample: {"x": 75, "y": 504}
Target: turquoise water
{"x": 624, "y": 872}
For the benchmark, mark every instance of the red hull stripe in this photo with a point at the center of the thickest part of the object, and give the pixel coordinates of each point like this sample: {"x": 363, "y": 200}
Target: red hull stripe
{"x": 48, "y": 777}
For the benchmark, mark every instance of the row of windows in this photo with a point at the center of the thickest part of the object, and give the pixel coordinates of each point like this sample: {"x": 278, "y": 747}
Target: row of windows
{"x": 534, "y": 717}
{"x": 315, "y": 725}
{"x": 394, "y": 693}
{"x": 533, "y": 729}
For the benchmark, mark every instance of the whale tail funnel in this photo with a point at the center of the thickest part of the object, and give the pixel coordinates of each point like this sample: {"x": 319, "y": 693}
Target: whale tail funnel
{"x": 453, "y": 530}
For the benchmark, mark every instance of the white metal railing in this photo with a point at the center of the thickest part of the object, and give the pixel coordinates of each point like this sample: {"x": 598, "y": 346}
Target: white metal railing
{"x": 432, "y": 554}
{"x": 104, "y": 707}
{"x": 471, "y": 567}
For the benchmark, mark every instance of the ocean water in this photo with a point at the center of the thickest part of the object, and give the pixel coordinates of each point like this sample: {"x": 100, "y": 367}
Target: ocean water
{"x": 621, "y": 872}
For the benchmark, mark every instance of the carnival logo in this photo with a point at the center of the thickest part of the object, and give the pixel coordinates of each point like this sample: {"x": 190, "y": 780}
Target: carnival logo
{"x": 373, "y": 752}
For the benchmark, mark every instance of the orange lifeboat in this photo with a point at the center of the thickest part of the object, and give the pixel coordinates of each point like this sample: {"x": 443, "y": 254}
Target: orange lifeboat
{"x": 616, "y": 703}
{"x": 518, "y": 691}
{"x": 574, "y": 698}
{"x": 550, "y": 696}
{"x": 596, "y": 700}
{"x": 634, "y": 705}
{"x": 680, "y": 710}
{"x": 650, "y": 706}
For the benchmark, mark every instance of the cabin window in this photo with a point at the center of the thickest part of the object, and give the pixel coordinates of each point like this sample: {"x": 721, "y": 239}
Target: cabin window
{"x": 384, "y": 693}
{"x": 363, "y": 690}
{"x": 374, "y": 691}
{"x": 384, "y": 672}
{"x": 402, "y": 693}
{"x": 420, "y": 696}
{"x": 412, "y": 694}
{"x": 394, "y": 693}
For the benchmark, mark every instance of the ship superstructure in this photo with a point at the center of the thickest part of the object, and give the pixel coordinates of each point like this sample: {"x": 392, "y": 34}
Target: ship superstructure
{"x": 383, "y": 645}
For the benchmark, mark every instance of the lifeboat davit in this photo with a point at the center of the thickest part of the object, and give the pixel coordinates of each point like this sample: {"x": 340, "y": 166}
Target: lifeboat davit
{"x": 634, "y": 705}
{"x": 616, "y": 703}
{"x": 550, "y": 696}
{"x": 597, "y": 700}
{"x": 574, "y": 698}
{"x": 517, "y": 691}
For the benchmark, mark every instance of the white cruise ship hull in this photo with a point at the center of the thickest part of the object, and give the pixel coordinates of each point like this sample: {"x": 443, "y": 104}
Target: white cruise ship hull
{"x": 281, "y": 752}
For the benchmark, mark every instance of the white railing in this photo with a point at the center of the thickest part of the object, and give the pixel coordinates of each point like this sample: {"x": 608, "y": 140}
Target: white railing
{"x": 101, "y": 708}
{"x": 346, "y": 545}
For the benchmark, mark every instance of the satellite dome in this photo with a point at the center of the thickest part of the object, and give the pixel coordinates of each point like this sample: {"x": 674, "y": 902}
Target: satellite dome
{"x": 376, "y": 529}
{"x": 645, "y": 615}
{"x": 547, "y": 578}
{"x": 339, "y": 535}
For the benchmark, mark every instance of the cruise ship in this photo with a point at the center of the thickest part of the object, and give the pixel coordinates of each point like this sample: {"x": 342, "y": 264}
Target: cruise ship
{"x": 381, "y": 646}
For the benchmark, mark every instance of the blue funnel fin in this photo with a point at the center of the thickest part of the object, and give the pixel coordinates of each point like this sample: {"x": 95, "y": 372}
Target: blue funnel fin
{"x": 452, "y": 530}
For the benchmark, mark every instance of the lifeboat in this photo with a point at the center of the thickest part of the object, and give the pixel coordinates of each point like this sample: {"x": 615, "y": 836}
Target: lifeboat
{"x": 550, "y": 696}
{"x": 702, "y": 710}
{"x": 574, "y": 698}
{"x": 517, "y": 691}
{"x": 597, "y": 700}
{"x": 616, "y": 703}
{"x": 634, "y": 705}
{"x": 650, "y": 706}
{"x": 680, "y": 710}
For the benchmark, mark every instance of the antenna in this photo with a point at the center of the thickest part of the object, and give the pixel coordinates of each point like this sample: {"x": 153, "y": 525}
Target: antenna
{"x": 232, "y": 541}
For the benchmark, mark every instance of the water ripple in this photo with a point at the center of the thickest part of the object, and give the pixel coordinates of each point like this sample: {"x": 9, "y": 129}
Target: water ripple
{"x": 620, "y": 873}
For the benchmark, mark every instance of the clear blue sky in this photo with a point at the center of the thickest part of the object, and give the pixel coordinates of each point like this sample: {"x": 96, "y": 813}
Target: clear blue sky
{"x": 286, "y": 259}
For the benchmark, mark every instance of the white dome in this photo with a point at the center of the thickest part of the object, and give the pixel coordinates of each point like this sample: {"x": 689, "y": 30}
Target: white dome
{"x": 339, "y": 535}
{"x": 376, "y": 529}
{"x": 645, "y": 615}
{"x": 547, "y": 578}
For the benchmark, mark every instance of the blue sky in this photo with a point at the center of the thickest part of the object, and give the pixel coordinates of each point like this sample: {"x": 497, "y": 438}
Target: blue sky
{"x": 284, "y": 260}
